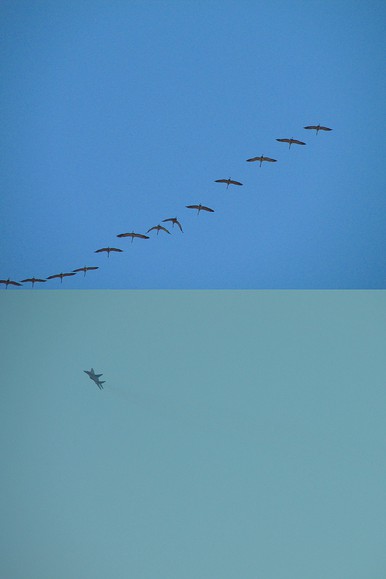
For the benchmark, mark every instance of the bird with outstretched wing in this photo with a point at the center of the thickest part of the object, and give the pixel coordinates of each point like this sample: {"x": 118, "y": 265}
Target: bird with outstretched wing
{"x": 262, "y": 159}
{"x": 291, "y": 141}
{"x": 200, "y": 208}
{"x": 108, "y": 250}
{"x": 228, "y": 182}
{"x": 158, "y": 228}
{"x": 175, "y": 221}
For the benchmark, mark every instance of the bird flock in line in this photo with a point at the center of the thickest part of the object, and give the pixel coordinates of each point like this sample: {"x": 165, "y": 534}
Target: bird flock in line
{"x": 173, "y": 220}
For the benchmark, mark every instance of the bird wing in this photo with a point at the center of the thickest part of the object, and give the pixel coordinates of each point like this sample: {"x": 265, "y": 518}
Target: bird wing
{"x": 151, "y": 228}
{"x": 33, "y": 280}
{"x": 141, "y": 236}
{"x": 222, "y": 181}
{"x": 192, "y": 206}
{"x": 125, "y": 234}
{"x": 164, "y": 229}
{"x": 85, "y": 268}
{"x": 235, "y": 182}
{"x": 297, "y": 142}
{"x": 284, "y": 140}
{"x": 324, "y": 129}
{"x": 315, "y": 127}
{"x": 207, "y": 208}
{"x": 255, "y": 159}
{"x": 179, "y": 225}
{"x": 269, "y": 159}
{"x": 9, "y": 282}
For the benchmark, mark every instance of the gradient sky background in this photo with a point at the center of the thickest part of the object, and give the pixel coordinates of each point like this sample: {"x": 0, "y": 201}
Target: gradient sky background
{"x": 239, "y": 434}
{"x": 118, "y": 114}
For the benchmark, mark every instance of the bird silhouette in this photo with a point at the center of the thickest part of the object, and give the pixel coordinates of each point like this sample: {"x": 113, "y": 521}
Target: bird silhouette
{"x": 158, "y": 228}
{"x": 291, "y": 141}
{"x": 61, "y": 275}
{"x": 8, "y": 282}
{"x": 318, "y": 128}
{"x": 200, "y": 208}
{"x": 228, "y": 182}
{"x": 34, "y": 280}
{"x": 174, "y": 220}
{"x": 85, "y": 269}
{"x": 108, "y": 250}
{"x": 132, "y": 235}
{"x": 261, "y": 159}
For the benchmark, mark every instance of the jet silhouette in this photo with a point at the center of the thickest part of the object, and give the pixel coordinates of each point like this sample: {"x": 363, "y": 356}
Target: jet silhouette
{"x": 95, "y": 378}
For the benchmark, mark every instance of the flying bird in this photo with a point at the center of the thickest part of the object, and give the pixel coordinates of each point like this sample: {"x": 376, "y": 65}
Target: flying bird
{"x": 174, "y": 220}
{"x": 318, "y": 128}
{"x": 228, "y": 182}
{"x": 33, "y": 280}
{"x": 108, "y": 250}
{"x": 261, "y": 159}
{"x": 85, "y": 269}
{"x": 8, "y": 282}
{"x": 290, "y": 141}
{"x": 132, "y": 235}
{"x": 61, "y": 275}
{"x": 95, "y": 378}
{"x": 158, "y": 228}
{"x": 200, "y": 208}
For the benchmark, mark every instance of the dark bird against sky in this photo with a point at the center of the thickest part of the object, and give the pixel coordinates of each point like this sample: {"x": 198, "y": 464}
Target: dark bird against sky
{"x": 261, "y": 159}
{"x": 8, "y": 282}
{"x": 290, "y": 141}
{"x": 108, "y": 250}
{"x": 61, "y": 275}
{"x": 85, "y": 269}
{"x": 132, "y": 235}
{"x": 158, "y": 228}
{"x": 318, "y": 128}
{"x": 228, "y": 182}
{"x": 200, "y": 208}
{"x": 174, "y": 220}
{"x": 34, "y": 280}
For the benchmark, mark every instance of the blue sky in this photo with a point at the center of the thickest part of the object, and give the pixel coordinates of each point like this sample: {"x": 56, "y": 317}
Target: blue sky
{"x": 239, "y": 434}
{"x": 118, "y": 114}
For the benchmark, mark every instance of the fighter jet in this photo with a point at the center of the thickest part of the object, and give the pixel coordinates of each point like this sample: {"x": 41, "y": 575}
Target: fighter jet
{"x": 95, "y": 378}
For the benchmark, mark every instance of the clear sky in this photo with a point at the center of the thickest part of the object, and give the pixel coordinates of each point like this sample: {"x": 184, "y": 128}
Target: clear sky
{"x": 116, "y": 115}
{"x": 239, "y": 434}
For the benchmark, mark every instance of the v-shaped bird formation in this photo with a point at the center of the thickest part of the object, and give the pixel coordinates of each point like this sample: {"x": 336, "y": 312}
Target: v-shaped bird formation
{"x": 173, "y": 220}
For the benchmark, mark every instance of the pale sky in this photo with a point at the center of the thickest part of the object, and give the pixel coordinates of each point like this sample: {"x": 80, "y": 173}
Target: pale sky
{"x": 239, "y": 434}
